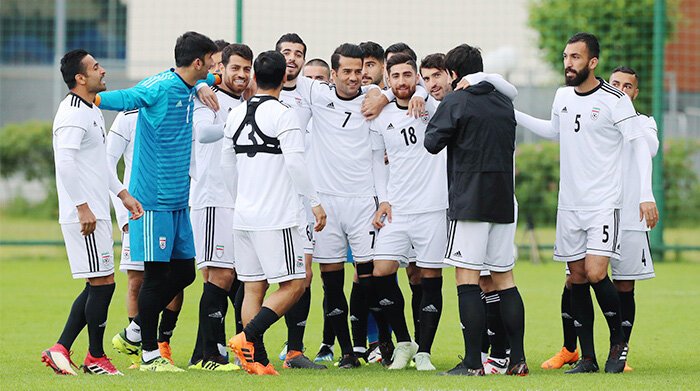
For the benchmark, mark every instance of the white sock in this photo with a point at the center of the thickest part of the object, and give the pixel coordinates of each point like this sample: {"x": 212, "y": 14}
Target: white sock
{"x": 484, "y": 356}
{"x": 149, "y": 355}
{"x": 133, "y": 332}
{"x": 359, "y": 349}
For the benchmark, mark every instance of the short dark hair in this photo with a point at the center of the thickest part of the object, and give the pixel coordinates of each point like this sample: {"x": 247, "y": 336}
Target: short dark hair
{"x": 590, "y": 40}
{"x": 318, "y": 63}
{"x": 400, "y": 58}
{"x": 433, "y": 61}
{"x": 71, "y": 65}
{"x": 373, "y": 49}
{"x": 269, "y": 68}
{"x": 346, "y": 50}
{"x": 464, "y": 60}
{"x": 236, "y": 49}
{"x": 220, "y": 44}
{"x": 626, "y": 70}
{"x": 290, "y": 37}
{"x": 191, "y": 46}
{"x": 400, "y": 47}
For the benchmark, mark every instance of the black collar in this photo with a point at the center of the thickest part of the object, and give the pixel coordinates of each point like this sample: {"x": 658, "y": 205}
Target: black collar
{"x": 180, "y": 77}
{"x": 359, "y": 92}
{"x": 84, "y": 101}
{"x": 600, "y": 84}
{"x": 231, "y": 94}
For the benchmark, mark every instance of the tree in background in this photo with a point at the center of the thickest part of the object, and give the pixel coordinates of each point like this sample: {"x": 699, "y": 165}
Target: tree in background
{"x": 625, "y": 29}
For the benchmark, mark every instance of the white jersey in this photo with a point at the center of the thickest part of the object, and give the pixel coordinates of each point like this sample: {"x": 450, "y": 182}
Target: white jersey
{"x": 341, "y": 152}
{"x": 266, "y": 197}
{"x": 207, "y": 187}
{"x": 79, "y": 125}
{"x": 629, "y": 215}
{"x": 292, "y": 98}
{"x": 591, "y": 129}
{"x": 120, "y": 142}
{"x": 417, "y": 179}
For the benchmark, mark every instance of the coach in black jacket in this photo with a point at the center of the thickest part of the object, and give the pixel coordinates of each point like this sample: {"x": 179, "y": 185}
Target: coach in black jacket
{"x": 477, "y": 125}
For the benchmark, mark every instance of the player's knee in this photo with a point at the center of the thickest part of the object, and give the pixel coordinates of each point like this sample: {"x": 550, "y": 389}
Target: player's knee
{"x": 294, "y": 289}
{"x": 486, "y": 284}
{"x": 223, "y": 278}
{"x": 97, "y": 281}
{"x": 430, "y": 273}
{"x": 384, "y": 268}
{"x": 596, "y": 275}
{"x": 624, "y": 286}
{"x": 182, "y": 272}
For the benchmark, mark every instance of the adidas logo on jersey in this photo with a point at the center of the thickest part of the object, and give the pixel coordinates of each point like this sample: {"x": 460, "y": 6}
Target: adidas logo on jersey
{"x": 430, "y": 308}
{"x": 331, "y": 106}
{"x": 385, "y": 302}
{"x": 178, "y": 104}
{"x": 457, "y": 254}
{"x": 391, "y": 126}
{"x": 564, "y": 110}
{"x": 335, "y": 312}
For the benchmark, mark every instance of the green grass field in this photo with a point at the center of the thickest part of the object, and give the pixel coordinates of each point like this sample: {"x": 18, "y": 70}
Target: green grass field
{"x": 36, "y": 291}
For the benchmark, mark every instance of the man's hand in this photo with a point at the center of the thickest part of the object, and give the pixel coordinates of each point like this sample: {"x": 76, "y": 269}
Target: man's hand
{"x": 250, "y": 91}
{"x": 462, "y": 85}
{"x": 416, "y": 106}
{"x": 379, "y": 216}
{"x": 208, "y": 97}
{"x": 87, "y": 219}
{"x": 320, "y": 215}
{"x": 125, "y": 228}
{"x": 131, "y": 204}
{"x": 648, "y": 211}
{"x": 373, "y": 104}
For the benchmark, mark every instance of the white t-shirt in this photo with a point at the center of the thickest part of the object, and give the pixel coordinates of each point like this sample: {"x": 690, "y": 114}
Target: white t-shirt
{"x": 292, "y": 98}
{"x": 79, "y": 125}
{"x": 629, "y": 215}
{"x": 266, "y": 197}
{"x": 340, "y": 158}
{"x": 591, "y": 129}
{"x": 207, "y": 187}
{"x": 120, "y": 142}
{"x": 417, "y": 179}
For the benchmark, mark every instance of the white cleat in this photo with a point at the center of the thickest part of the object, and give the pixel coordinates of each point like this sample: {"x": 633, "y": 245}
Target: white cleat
{"x": 423, "y": 362}
{"x": 403, "y": 353}
{"x": 495, "y": 366}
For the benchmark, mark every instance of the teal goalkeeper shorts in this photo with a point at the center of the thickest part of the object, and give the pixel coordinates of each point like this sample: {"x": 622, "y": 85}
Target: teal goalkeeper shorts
{"x": 162, "y": 236}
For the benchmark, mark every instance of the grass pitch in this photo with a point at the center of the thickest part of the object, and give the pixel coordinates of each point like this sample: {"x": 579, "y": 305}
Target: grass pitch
{"x": 36, "y": 291}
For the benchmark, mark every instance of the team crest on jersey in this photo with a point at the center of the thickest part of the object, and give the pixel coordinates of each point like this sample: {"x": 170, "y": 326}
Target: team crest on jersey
{"x": 219, "y": 250}
{"x": 126, "y": 253}
{"x": 425, "y": 117}
{"x": 106, "y": 257}
{"x": 594, "y": 113}
{"x": 298, "y": 100}
{"x": 162, "y": 242}
{"x": 300, "y": 262}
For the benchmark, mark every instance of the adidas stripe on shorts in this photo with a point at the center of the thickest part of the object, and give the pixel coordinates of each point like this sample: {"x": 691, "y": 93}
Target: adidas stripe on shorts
{"x": 213, "y": 237}
{"x": 92, "y": 255}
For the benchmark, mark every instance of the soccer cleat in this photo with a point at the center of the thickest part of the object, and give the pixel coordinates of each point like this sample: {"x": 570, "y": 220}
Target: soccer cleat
{"x": 283, "y": 352}
{"x": 374, "y": 354}
{"x": 403, "y": 353}
{"x": 617, "y": 358}
{"x": 165, "y": 352}
{"x": 495, "y": 366}
{"x": 243, "y": 349}
{"x": 257, "y": 368}
{"x": 584, "y": 365}
{"x": 130, "y": 349}
{"x": 159, "y": 364}
{"x": 562, "y": 357}
{"x": 57, "y": 358}
{"x": 297, "y": 359}
{"x": 387, "y": 351}
{"x": 99, "y": 366}
{"x": 461, "y": 370}
{"x": 349, "y": 361}
{"x": 423, "y": 362}
{"x": 134, "y": 366}
{"x": 628, "y": 368}
{"x": 325, "y": 353}
{"x": 218, "y": 363}
{"x": 195, "y": 366}
{"x": 518, "y": 369}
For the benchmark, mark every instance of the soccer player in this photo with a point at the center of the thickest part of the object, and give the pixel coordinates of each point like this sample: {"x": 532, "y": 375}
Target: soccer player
{"x": 84, "y": 181}
{"x": 264, "y": 141}
{"x": 477, "y": 126}
{"x": 120, "y": 142}
{"x": 212, "y": 209}
{"x": 372, "y": 64}
{"x": 414, "y": 215}
{"x": 293, "y": 49}
{"x": 162, "y": 239}
{"x": 317, "y": 69}
{"x": 593, "y": 120}
{"x": 635, "y": 261}
{"x": 437, "y": 80}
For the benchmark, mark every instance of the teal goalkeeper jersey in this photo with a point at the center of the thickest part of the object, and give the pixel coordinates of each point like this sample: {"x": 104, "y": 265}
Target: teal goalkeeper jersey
{"x": 160, "y": 169}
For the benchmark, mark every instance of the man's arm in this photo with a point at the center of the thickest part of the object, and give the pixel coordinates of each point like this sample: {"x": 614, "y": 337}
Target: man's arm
{"x": 496, "y": 80}
{"x": 442, "y": 127}
{"x": 145, "y": 94}
{"x": 540, "y": 127}
{"x": 651, "y": 136}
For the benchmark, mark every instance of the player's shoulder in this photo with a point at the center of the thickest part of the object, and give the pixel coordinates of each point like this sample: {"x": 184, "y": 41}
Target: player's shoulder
{"x": 610, "y": 92}
{"x": 73, "y": 110}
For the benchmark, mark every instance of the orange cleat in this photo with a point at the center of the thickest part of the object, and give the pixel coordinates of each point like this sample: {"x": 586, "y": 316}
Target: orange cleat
{"x": 57, "y": 358}
{"x": 628, "y": 368}
{"x": 165, "y": 352}
{"x": 243, "y": 349}
{"x": 256, "y": 368}
{"x": 562, "y": 357}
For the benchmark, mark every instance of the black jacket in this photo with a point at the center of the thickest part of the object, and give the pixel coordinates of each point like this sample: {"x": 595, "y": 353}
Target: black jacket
{"x": 477, "y": 125}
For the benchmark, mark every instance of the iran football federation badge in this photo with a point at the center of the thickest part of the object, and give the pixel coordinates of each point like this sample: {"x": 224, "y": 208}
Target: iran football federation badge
{"x": 219, "y": 250}
{"x": 161, "y": 242}
{"x": 300, "y": 262}
{"x": 594, "y": 113}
